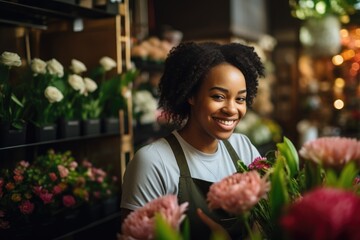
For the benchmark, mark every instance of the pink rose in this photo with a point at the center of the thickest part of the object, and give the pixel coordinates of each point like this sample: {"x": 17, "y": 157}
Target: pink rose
{"x": 46, "y": 197}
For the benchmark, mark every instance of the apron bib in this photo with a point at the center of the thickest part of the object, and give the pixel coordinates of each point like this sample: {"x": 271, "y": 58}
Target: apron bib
{"x": 194, "y": 191}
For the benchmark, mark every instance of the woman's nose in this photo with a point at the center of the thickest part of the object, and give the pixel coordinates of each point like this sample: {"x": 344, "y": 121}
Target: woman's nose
{"x": 230, "y": 108}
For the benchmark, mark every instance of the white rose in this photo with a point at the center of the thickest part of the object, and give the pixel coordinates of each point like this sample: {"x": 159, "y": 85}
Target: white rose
{"x": 77, "y": 66}
{"x": 107, "y": 63}
{"x": 90, "y": 84}
{"x": 10, "y": 59}
{"x": 38, "y": 66}
{"x": 55, "y": 68}
{"x": 77, "y": 83}
{"x": 53, "y": 94}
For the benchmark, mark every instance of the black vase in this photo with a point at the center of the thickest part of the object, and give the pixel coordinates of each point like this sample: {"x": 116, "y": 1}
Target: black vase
{"x": 90, "y": 127}
{"x": 68, "y": 128}
{"x": 10, "y": 136}
{"x": 43, "y": 133}
{"x": 110, "y": 125}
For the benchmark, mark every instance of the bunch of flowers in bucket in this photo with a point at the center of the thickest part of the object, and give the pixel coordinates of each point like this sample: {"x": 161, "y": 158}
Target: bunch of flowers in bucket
{"x": 312, "y": 193}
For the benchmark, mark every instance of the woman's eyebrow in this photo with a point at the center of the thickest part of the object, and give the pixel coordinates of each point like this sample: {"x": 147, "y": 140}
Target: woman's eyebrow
{"x": 226, "y": 90}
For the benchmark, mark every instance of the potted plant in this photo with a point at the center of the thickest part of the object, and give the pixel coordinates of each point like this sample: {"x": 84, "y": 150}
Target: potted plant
{"x": 12, "y": 125}
{"x": 43, "y": 98}
{"x": 113, "y": 94}
{"x": 69, "y": 123}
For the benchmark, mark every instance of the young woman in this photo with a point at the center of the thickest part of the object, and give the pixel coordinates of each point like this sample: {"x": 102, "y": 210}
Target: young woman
{"x": 205, "y": 90}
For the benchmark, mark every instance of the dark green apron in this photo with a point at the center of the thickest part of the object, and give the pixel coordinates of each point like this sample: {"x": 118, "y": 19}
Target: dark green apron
{"x": 194, "y": 191}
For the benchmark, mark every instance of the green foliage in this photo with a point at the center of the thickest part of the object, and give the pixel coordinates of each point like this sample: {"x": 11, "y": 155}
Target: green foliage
{"x": 111, "y": 93}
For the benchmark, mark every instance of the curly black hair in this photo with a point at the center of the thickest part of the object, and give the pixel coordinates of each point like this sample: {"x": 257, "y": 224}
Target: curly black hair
{"x": 188, "y": 64}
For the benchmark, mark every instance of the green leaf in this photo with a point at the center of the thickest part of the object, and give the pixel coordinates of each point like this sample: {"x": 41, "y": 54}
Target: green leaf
{"x": 344, "y": 179}
{"x": 278, "y": 195}
{"x": 313, "y": 176}
{"x": 242, "y": 167}
{"x": 288, "y": 150}
{"x": 163, "y": 231}
{"x": 16, "y": 100}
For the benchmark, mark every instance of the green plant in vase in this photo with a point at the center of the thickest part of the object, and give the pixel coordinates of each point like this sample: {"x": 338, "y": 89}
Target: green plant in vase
{"x": 44, "y": 92}
{"x": 11, "y": 107}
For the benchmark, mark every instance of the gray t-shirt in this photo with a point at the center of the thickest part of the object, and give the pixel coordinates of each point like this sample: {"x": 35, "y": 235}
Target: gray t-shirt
{"x": 153, "y": 172}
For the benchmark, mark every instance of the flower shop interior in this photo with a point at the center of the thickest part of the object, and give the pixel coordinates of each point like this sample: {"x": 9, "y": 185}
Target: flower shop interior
{"x": 78, "y": 94}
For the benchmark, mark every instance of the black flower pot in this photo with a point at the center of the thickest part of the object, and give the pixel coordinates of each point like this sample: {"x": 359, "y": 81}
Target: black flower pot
{"x": 90, "y": 127}
{"x": 10, "y": 136}
{"x": 110, "y": 125}
{"x": 43, "y": 133}
{"x": 68, "y": 128}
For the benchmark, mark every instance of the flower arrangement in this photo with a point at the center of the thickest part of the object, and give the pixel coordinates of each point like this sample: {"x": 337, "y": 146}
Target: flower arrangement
{"x": 10, "y": 106}
{"x": 51, "y": 186}
{"x": 312, "y": 193}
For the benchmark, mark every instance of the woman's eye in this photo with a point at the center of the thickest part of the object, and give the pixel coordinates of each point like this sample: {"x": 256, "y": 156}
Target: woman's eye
{"x": 217, "y": 97}
{"x": 241, "y": 99}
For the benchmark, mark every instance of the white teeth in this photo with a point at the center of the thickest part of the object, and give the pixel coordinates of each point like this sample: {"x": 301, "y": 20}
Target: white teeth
{"x": 227, "y": 123}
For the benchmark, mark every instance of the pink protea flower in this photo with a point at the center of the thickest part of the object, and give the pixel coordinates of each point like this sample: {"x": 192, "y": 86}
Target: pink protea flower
{"x": 26, "y": 207}
{"x": 331, "y": 151}
{"x": 140, "y": 224}
{"x": 322, "y": 214}
{"x": 238, "y": 193}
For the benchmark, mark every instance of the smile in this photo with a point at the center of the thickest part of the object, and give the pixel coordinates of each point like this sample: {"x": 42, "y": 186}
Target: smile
{"x": 226, "y": 122}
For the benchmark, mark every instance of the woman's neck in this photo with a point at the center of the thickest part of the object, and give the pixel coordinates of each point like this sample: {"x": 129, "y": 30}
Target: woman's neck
{"x": 199, "y": 139}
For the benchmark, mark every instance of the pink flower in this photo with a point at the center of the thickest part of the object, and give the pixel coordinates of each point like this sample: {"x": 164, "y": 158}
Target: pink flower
{"x": 68, "y": 201}
{"x": 140, "y": 224}
{"x": 53, "y": 176}
{"x": 18, "y": 178}
{"x": 73, "y": 165}
{"x": 260, "y": 164}
{"x": 63, "y": 171}
{"x": 26, "y": 207}
{"x": 238, "y": 193}
{"x": 24, "y": 164}
{"x": 323, "y": 214}
{"x": 57, "y": 189}
{"x": 331, "y": 151}
{"x": 46, "y": 197}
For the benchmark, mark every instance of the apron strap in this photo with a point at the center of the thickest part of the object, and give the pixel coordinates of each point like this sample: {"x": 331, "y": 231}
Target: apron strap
{"x": 234, "y": 156}
{"x": 179, "y": 155}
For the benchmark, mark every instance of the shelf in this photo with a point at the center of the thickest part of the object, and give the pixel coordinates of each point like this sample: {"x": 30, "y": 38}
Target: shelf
{"x": 60, "y": 140}
{"x": 38, "y": 13}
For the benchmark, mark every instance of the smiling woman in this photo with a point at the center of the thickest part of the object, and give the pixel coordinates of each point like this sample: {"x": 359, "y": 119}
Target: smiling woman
{"x": 205, "y": 91}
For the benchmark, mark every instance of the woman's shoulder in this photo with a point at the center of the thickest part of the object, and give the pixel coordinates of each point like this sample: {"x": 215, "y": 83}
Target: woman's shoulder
{"x": 239, "y": 138}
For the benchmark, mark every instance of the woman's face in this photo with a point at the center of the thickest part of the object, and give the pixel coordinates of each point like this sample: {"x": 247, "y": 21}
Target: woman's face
{"x": 220, "y": 102}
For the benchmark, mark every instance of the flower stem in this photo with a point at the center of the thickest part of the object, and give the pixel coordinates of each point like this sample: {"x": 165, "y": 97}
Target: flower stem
{"x": 248, "y": 229}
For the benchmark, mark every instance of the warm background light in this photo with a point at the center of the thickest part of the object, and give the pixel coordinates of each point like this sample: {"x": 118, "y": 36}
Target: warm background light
{"x": 338, "y": 104}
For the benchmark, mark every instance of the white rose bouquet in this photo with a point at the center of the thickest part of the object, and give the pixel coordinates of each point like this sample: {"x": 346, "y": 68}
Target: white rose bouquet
{"x": 44, "y": 92}
{"x": 11, "y": 108}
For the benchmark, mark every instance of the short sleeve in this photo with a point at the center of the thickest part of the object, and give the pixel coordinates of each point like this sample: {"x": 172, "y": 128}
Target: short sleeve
{"x": 143, "y": 179}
